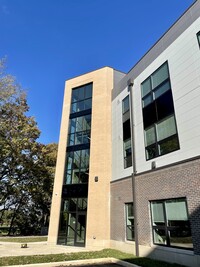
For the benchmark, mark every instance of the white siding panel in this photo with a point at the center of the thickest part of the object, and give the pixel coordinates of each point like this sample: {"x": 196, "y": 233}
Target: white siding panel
{"x": 183, "y": 58}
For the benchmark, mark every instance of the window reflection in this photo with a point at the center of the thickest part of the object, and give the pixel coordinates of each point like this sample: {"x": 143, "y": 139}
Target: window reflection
{"x": 170, "y": 223}
{"x": 79, "y": 130}
{"x": 77, "y": 168}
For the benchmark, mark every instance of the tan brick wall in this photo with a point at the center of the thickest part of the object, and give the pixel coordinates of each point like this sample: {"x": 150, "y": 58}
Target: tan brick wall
{"x": 98, "y": 215}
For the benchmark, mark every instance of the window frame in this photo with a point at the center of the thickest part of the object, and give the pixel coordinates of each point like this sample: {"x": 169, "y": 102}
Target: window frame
{"x": 126, "y": 131}
{"x": 167, "y": 228}
{"x": 83, "y": 101}
{"x": 79, "y": 135}
{"x": 81, "y": 171}
{"x": 161, "y": 108}
{"x": 123, "y": 105}
{"x": 131, "y": 226}
{"x": 157, "y": 144}
{"x": 198, "y": 38}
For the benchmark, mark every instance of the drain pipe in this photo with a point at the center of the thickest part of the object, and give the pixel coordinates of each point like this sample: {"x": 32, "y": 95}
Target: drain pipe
{"x": 130, "y": 84}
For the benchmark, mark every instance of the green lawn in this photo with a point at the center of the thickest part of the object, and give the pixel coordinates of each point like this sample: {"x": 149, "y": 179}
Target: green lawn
{"x": 23, "y": 239}
{"x": 106, "y": 253}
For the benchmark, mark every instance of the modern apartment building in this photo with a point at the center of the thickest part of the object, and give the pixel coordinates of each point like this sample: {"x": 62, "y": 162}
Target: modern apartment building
{"x": 128, "y": 167}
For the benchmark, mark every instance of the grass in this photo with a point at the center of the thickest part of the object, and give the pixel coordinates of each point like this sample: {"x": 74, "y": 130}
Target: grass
{"x": 23, "y": 239}
{"x": 106, "y": 253}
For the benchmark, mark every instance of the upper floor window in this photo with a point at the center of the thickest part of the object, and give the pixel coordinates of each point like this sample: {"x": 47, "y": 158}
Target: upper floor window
{"x": 198, "y": 37}
{"x": 170, "y": 223}
{"x": 77, "y": 166}
{"x": 126, "y": 133}
{"x": 125, "y": 105}
{"x": 160, "y": 131}
{"x": 79, "y": 130}
{"x": 81, "y": 98}
{"x": 155, "y": 85}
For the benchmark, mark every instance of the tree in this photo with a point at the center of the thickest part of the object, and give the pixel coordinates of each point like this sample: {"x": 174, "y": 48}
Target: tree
{"x": 26, "y": 166}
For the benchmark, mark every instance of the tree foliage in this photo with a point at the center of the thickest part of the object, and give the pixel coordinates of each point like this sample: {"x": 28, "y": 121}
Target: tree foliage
{"x": 26, "y": 166}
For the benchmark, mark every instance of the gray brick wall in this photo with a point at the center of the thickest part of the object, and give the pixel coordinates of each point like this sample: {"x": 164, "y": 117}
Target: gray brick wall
{"x": 121, "y": 193}
{"x": 182, "y": 180}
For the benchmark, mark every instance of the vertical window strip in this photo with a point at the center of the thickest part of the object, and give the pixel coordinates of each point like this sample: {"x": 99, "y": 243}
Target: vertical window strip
{"x": 126, "y": 132}
{"x": 129, "y": 221}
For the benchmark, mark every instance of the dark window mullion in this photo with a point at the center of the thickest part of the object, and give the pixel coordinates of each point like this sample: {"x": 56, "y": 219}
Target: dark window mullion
{"x": 156, "y": 141}
{"x": 166, "y": 225}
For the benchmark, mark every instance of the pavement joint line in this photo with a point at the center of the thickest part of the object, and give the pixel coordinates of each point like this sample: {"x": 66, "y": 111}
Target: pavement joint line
{"x": 80, "y": 263}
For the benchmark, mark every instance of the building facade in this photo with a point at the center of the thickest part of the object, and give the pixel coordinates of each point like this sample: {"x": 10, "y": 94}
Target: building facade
{"x": 128, "y": 167}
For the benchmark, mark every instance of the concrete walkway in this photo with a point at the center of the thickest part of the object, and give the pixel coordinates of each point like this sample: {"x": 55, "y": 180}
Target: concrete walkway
{"x": 8, "y": 249}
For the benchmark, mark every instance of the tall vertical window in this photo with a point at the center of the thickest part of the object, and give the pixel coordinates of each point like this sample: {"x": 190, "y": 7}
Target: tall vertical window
{"x": 170, "y": 223}
{"x": 78, "y": 145}
{"x": 73, "y": 216}
{"x": 160, "y": 131}
{"x": 126, "y": 133}
{"x": 198, "y": 37}
{"x": 129, "y": 221}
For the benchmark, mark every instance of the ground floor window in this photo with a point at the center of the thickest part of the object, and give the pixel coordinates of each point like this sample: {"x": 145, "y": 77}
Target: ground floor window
{"x": 129, "y": 221}
{"x": 170, "y": 223}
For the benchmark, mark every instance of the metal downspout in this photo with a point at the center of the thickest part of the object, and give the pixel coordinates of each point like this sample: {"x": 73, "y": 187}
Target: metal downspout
{"x": 130, "y": 88}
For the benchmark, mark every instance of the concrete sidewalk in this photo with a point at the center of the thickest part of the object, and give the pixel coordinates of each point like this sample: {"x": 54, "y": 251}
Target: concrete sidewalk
{"x": 8, "y": 249}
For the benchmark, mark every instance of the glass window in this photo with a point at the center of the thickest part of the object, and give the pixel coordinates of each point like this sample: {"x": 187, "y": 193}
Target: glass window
{"x": 160, "y": 75}
{"x": 147, "y": 100}
{"x": 81, "y": 98}
{"x": 170, "y": 223}
{"x": 160, "y": 131}
{"x": 161, "y": 138}
{"x": 127, "y": 153}
{"x": 126, "y": 132}
{"x": 168, "y": 145}
{"x": 198, "y": 37}
{"x": 88, "y": 91}
{"x": 150, "y": 136}
{"x": 129, "y": 221}
{"x": 161, "y": 89}
{"x": 79, "y": 130}
{"x": 77, "y": 168}
{"x": 166, "y": 128}
{"x": 125, "y": 105}
{"x": 146, "y": 87}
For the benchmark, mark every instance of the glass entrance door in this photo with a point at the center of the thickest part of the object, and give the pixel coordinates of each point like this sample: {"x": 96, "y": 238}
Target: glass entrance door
{"x": 72, "y": 230}
{"x": 76, "y": 229}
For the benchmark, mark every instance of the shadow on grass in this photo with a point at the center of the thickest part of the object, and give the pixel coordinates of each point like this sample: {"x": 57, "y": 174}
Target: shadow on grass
{"x": 106, "y": 253}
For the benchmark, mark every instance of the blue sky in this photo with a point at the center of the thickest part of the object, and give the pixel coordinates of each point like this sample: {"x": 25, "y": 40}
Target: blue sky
{"x": 49, "y": 41}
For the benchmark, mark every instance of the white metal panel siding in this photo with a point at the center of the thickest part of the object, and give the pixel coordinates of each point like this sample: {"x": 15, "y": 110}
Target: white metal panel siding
{"x": 183, "y": 57}
{"x": 118, "y": 170}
